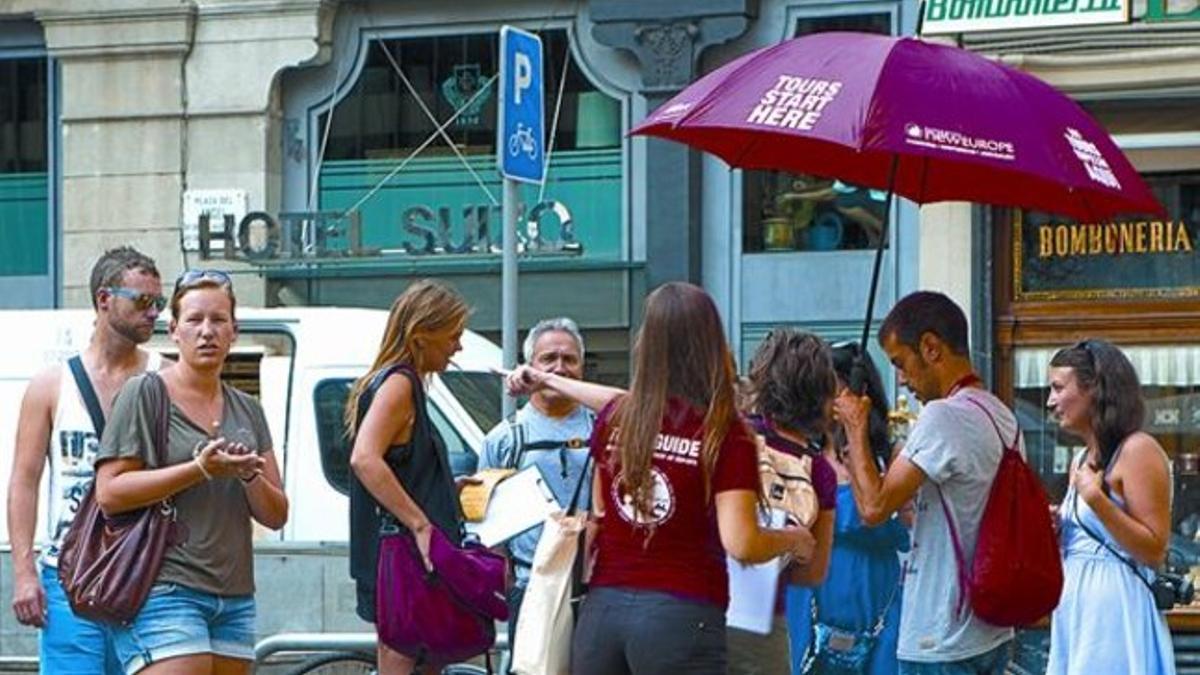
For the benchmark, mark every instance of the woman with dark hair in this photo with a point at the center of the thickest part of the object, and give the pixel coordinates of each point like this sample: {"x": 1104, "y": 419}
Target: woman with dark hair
{"x": 677, "y": 487}
{"x": 1115, "y": 520}
{"x": 791, "y": 385}
{"x": 398, "y": 459}
{"x": 220, "y": 473}
{"x": 861, "y": 595}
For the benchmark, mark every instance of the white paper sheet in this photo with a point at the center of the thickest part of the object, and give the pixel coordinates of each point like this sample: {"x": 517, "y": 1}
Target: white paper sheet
{"x": 752, "y": 590}
{"x": 520, "y": 502}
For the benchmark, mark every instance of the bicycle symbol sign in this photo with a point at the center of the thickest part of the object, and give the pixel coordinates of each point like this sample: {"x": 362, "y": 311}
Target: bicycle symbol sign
{"x": 522, "y": 140}
{"x": 521, "y": 127}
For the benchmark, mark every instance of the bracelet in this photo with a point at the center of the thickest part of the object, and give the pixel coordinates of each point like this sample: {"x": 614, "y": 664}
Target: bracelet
{"x": 250, "y": 480}
{"x": 200, "y": 465}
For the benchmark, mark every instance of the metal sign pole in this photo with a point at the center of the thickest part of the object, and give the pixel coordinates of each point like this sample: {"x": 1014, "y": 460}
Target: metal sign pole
{"x": 508, "y": 287}
{"x": 520, "y": 133}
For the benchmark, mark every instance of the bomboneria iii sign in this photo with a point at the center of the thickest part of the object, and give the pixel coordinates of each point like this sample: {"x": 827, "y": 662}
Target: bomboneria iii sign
{"x": 966, "y": 16}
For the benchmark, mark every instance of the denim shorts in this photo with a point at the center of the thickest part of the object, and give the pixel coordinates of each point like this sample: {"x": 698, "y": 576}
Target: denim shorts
{"x": 180, "y": 621}
{"x": 70, "y": 644}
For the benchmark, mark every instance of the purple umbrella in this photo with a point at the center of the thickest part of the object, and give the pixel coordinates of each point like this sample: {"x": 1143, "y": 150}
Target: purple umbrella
{"x": 925, "y": 121}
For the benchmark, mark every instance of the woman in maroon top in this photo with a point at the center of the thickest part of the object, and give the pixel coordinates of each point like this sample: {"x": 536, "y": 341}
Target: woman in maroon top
{"x": 677, "y": 487}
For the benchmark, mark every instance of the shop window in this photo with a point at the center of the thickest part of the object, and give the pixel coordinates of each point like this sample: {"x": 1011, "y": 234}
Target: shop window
{"x": 1170, "y": 379}
{"x": 445, "y": 201}
{"x": 24, "y": 233}
{"x": 792, "y": 212}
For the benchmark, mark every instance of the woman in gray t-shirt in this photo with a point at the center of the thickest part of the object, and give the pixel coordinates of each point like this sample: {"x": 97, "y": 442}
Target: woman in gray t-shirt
{"x": 220, "y": 473}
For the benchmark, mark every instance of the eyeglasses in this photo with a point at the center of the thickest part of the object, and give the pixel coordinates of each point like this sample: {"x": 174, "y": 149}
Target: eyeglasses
{"x": 141, "y": 301}
{"x": 189, "y": 277}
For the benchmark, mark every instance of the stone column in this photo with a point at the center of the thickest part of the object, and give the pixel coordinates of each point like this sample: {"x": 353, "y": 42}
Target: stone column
{"x": 668, "y": 40}
{"x": 122, "y": 129}
{"x": 161, "y": 96}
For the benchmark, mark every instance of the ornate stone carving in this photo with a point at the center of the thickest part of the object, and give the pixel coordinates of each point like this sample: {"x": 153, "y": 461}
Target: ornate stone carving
{"x": 667, "y": 52}
{"x": 669, "y": 37}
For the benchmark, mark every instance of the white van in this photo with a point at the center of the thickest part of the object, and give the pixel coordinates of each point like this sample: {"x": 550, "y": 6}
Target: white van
{"x": 300, "y": 362}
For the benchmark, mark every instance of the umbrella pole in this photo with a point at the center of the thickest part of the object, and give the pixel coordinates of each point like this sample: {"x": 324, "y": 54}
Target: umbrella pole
{"x": 859, "y": 367}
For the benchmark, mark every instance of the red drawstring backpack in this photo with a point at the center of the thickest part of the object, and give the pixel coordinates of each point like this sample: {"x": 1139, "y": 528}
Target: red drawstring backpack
{"x": 1016, "y": 577}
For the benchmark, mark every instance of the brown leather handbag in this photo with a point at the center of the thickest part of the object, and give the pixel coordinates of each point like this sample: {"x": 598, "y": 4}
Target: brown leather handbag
{"x": 108, "y": 563}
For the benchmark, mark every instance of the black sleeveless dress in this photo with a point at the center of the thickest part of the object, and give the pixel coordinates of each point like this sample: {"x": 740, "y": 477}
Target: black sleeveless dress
{"x": 423, "y": 469}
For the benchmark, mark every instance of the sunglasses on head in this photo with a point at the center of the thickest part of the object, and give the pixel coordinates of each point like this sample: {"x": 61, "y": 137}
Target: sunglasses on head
{"x": 851, "y": 346}
{"x": 189, "y": 277}
{"x": 141, "y": 301}
{"x": 1086, "y": 346}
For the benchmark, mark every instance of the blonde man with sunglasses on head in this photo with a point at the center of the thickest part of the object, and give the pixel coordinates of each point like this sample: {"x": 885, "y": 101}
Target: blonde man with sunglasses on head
{"x": 56, "y": 427}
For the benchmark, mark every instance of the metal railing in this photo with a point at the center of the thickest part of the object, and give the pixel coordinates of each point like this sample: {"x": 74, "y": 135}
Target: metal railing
{"x": 316, "y": 643}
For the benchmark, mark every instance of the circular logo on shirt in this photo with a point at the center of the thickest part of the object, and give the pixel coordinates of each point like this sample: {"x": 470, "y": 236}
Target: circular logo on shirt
{"x": 662, "y": 501}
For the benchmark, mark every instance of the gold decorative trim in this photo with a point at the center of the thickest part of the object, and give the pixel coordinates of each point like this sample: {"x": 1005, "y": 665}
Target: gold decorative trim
{"x": 1021, "y": 295}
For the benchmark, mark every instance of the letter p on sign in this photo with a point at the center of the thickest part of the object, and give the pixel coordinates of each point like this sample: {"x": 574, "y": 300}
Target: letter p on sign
{"x": 523, "y": 78}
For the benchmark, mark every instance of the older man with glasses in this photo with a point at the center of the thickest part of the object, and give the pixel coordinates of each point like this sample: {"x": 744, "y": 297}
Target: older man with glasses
{"x": 62, "y": 417}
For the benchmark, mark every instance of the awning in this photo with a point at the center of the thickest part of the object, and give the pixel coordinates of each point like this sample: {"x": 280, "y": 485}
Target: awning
{"x": 1161, "y": 366}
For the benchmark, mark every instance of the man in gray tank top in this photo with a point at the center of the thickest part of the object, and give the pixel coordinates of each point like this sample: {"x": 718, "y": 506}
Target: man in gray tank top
{"x": 56, "y": 428}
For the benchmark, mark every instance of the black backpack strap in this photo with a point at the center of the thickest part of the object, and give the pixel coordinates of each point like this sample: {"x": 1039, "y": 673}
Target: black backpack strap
{"x": 90, "y": 400}
{"x": 517, "y": 452}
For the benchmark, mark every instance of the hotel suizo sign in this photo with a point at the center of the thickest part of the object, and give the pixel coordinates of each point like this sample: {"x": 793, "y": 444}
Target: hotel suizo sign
{"x": 1055, "y": 260}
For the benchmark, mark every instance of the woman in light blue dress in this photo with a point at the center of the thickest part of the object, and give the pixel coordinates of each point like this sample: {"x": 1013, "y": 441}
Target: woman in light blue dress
{"x": 863, "y": 583}
{"x": 1114, "y": 521}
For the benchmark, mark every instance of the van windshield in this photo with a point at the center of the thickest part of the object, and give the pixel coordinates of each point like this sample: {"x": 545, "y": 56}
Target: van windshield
{"x": 479, "y": 393}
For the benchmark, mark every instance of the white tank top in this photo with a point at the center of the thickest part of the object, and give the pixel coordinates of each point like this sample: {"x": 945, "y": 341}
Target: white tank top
{"x": 73, "y": 446}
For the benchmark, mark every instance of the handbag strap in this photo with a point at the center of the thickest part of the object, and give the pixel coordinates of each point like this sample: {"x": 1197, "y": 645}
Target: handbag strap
{"x": 1099, "y": 540}
{"x": 579, "y": 486}
{"x": 879, "y": 623}
{"x": 578, "y": 588}
{"x": 162, "y": 422}
{"x": 90, "y": 400}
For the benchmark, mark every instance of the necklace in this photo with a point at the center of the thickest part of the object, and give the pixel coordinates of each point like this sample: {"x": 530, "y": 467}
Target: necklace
{"x": 968, "y": 380}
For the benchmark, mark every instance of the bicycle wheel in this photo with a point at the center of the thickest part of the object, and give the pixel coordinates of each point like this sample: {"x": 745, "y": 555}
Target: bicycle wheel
{"x": 337, "y": 663}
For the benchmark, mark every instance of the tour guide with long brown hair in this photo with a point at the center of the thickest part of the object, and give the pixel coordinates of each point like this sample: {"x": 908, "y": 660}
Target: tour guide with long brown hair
{"x": 677, "y": 486}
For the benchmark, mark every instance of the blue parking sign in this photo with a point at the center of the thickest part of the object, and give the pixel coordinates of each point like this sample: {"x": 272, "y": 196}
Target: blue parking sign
{"x": 521, "y": 132}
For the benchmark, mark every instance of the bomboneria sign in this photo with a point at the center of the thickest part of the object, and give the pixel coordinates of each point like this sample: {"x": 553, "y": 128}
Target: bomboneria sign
{"x": 966, "y": 16}
{"x": 1056, "y": 260}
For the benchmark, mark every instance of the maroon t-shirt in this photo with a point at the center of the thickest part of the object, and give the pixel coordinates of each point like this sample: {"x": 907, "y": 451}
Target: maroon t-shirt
{"x": 684, "y": 557}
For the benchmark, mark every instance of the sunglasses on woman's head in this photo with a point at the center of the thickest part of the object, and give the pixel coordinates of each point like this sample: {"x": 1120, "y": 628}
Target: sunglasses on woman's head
{"x": 189, "y": 277}
{"x": 141, "y": 301}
